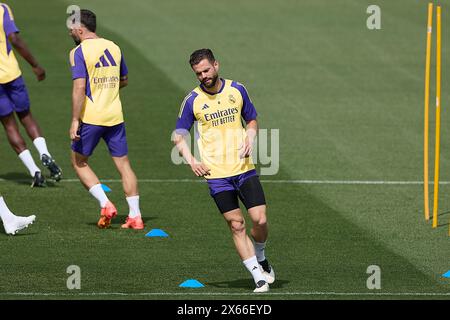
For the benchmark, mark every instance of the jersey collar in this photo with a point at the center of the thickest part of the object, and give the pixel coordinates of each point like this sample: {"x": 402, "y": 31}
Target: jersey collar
{"x": 210, "y": 93}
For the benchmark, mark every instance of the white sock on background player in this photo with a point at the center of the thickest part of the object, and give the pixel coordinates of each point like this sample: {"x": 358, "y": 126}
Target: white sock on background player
{"x": 41, "y": 146}
{"x": 133, "y": 203}
{"x": 99, "y": 194}
{"x": 28, "y": 161}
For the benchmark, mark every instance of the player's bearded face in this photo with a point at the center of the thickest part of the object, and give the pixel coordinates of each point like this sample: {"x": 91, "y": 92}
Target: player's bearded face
{"x": 207, "y": 73}
{"x": 210, "y": 81}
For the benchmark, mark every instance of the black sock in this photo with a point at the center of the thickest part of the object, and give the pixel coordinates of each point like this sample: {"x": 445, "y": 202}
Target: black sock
{"x": 265, "y": 265}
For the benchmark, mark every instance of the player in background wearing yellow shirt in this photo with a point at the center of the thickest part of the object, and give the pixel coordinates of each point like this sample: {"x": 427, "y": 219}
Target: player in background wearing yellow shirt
{"x": 14, "y": 100}
{"x": 225, "y": 147}
{"x": 98, "y": 72}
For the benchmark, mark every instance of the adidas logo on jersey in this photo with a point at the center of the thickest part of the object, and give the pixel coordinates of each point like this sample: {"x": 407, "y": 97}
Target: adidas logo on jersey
{"x": 106, "y": 60}
{"x": 205, "y": 106}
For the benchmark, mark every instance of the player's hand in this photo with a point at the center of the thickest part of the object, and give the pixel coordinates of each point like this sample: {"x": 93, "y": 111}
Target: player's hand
{"x": 200, "y": 169}
{"x": 73, "y": 132}
{"x": 246, "y": 148}
{"x": 39, "y": 72}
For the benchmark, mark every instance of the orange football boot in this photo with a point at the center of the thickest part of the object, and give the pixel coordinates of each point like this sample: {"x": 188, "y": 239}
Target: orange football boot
{"x": 133, "y": 223}
{"x": 107, "y": 213}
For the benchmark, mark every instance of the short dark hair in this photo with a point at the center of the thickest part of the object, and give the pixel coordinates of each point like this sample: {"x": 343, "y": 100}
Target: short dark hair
{"x": 199, "y": 55}
{"x": 88, "y": 19}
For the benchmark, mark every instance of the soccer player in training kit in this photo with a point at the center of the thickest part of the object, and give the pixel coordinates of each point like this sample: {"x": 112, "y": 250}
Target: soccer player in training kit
{"x": 98, "y": 72}
{"x": 11, "y": 222}
{"x": 14, "y": 100}
{"x": 225, "y": 148}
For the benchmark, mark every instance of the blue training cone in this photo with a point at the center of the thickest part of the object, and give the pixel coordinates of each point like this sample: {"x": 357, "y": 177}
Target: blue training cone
{"x": 106, "y": 188}
{"x": 447, "y": 274}
{"x": 191, "y": 283}
{"x": 156, "y": 233}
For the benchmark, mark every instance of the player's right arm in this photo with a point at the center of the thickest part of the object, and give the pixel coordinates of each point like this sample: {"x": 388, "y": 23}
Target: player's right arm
{"x": 197, "y": 167}
{"x": 185, "y": 121}
{"x": 12, "y": 33}
{"x": 78, "y": 98}
{"x": 79, "y": 76}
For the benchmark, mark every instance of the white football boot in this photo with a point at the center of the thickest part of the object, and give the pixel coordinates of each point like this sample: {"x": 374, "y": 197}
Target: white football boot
{"x": 270, "y": 276}
{"x": 18, "y": 223}
{"x": 267, "y": 271}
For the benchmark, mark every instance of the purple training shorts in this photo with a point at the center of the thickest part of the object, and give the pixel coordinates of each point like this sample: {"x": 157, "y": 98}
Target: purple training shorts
{"x": 229, "y": 183}
{"x": 90, "y": 135}
{"x": 13, "y": 97}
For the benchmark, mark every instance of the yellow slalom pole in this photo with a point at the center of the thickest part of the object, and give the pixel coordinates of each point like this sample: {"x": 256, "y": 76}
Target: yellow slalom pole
{"x": 438, "y": 115}
{"x": 426, "y": 113}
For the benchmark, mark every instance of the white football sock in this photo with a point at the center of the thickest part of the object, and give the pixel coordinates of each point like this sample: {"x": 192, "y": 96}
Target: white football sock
{"x": 28, "y": 161}
{"x": 99, "y": 194}
{"x": 5, "y": 214}
{"x": 133, "y": 203}
{"x": 259, "y": 250}
{"x": 41, "y": 146}
{"x": 252, "y": 265}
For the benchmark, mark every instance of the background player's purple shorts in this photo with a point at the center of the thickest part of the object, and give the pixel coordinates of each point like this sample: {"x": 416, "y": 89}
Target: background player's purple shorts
{"x": 229, "y": 183}
{"x": 90, "y": 135}
{"x": 13, "y": 97}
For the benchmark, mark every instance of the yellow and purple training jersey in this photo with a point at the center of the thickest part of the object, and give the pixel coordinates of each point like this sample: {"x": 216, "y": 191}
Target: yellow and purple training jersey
{"x": 219, "y": 126}
{"x": 100, "y": 62}
{"x": 9, "y": 67}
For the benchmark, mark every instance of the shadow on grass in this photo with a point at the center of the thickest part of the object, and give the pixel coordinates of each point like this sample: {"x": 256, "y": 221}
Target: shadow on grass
{"x": 24, "y": 179}
{"x": 443, "y": 225}
{"x": 244, "y": 284}
{"x": 118, "y": 220}
{"x": 122, "y": 218}
{"x": 19, "y": 234}
{"x": 442, "y": 214}
{"x": 17, "y": 177}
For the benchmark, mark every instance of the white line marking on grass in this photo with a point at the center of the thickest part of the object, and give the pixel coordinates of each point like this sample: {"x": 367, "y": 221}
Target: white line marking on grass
{"x": 338, "y": 182}
{"x": 313, "y": 293}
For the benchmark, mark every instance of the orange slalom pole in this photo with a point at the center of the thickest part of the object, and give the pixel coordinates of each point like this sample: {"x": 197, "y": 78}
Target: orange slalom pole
{"x": 438, "y": 116}
{"x": 426, "y": 114}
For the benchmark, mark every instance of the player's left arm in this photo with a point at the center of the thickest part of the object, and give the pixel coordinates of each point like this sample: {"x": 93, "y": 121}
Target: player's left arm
{"x": 123, "y": 73}
{"x": 12, "y": 33}
{"x": 249, "y": 114}
{"x": 123, "y": 82}
{"x": 251, "y": 130}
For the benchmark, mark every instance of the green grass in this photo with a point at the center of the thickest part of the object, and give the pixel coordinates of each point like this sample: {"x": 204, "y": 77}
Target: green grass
{"x": 348, "y": 104}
